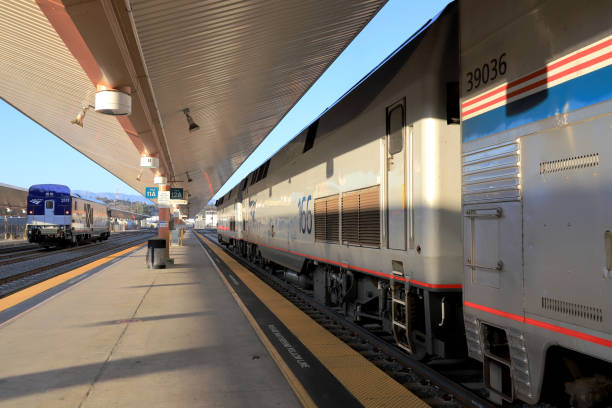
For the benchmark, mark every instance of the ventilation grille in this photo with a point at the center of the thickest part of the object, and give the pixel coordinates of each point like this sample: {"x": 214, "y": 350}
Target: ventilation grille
{"x": 361, "y": 216}
{"x": 571, "y": 163}
{"x": 327, "y": 219}
{"x": 491, "y": 174}
{"x": 573, "y": 309}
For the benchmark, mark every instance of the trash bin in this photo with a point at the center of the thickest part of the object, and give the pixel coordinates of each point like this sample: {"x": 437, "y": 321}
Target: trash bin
{"x": 156, "y": 254}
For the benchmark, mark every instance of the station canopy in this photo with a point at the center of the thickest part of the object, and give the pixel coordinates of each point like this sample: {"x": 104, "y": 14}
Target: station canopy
{"x": 238, "y": 65}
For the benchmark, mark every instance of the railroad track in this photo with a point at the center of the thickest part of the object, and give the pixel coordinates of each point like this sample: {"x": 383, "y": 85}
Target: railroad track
{"x": 14, "y": 282}
{"x": 15, "y": 248}
{"x": 20, "y": 252}
{"x": 38, "y": 252}
{"x": 429, "y": 382}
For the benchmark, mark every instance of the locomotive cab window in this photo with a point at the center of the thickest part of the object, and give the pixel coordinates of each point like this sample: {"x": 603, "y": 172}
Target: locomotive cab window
{"x": 49, "y": 204}
{"x": 396, "y": 125}
{"x": 310, "y": 136}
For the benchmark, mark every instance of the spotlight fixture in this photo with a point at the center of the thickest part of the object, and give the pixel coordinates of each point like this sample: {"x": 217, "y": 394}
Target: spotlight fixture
{"x": 189, "y": 179}
{"x": 192, "y": 125}
{"x": 139, "y": 175}
{"x": 80, "y": 116}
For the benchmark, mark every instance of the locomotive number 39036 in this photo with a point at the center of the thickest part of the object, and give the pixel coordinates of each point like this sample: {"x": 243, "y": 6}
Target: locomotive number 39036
{"x": 489, "y": 71}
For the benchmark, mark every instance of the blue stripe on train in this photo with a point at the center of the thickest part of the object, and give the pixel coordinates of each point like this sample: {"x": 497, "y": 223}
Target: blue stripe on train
{"x": 577, "y": 93}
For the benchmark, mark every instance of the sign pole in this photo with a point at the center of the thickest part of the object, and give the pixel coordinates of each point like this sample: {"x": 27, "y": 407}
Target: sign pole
{"x": 164, "y": 219}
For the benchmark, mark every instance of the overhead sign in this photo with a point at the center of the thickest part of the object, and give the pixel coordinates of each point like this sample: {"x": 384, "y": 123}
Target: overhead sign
{"x": 151, "y": 192}
{"x": 163, "y": 199}
{"x": 149, "y": 162}
{"x": 178, "y": 202}
{"x": 160, "y": 180}
{"x": 176, "y": 193}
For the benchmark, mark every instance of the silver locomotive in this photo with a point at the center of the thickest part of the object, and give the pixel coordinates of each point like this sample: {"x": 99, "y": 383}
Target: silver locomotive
{"x": 461, "y": 186}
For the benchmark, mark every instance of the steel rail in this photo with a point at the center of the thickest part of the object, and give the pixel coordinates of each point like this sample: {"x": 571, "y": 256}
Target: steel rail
{"x": 16, "y": 258}
{"x": 18, "y": 253}
{"x": 21, "y": 275}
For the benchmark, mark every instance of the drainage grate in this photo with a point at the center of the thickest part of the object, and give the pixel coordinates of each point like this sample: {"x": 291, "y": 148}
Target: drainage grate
{"x": 573, "y": 309}
{"x": 571, "y": 163}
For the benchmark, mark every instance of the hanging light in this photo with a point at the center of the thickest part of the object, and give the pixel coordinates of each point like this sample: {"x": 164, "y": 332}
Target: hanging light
{"x": 192, "y": 125}
{"x": 81, "y": 116}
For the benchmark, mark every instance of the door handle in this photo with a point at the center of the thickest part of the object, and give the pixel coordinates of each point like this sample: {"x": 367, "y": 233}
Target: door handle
{"x": 608, "y": 249}
{"x": 499, "y": 267}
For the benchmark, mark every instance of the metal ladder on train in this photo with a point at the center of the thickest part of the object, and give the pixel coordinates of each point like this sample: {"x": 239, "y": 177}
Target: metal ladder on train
{"x": 400, "y": 314}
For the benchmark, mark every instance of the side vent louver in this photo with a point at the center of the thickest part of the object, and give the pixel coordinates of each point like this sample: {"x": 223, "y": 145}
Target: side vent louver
{"x": 361, "y": 216}
{"x": 327, "y": 219}
{"x": 573, "y": 309}
{"x": 570, "y": 163}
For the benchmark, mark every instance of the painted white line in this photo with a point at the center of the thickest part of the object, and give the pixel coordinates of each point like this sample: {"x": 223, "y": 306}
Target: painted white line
{"x": 233, "y": 280}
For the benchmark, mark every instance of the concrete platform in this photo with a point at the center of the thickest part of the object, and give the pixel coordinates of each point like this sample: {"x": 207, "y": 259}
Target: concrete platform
{"x": 128, "y": 336}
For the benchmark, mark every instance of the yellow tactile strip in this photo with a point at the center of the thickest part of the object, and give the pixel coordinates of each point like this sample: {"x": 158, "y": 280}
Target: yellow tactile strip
{"x": 34, "y": 290}
{"x": 370, "y": 385}
{"x": 294, "y": 383}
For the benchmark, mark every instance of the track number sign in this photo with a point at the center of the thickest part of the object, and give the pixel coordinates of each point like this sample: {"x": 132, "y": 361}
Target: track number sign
{"x": 151, "y": 192}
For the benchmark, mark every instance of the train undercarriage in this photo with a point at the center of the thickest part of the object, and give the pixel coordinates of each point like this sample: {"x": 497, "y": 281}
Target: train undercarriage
{"x": 426, "y": 323}
{"x": 429, "y": 325}
{"x": 54, "y": 235}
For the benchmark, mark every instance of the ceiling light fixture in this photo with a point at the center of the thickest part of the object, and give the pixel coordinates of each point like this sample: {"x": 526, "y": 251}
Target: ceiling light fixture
{"x": 192, "y": 125}
{"x": 189, "y": 179}
{"x": 149, "y": 162}
{"x": 139, "y": 175}
{"x": 109, "y": 102}
{"x": 160, "y": 180}
{"x": 113, "y": 102}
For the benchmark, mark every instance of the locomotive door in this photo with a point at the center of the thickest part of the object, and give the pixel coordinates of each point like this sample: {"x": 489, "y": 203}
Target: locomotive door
{"x": 396, "y": 177}
{"x": 49, "y": 211}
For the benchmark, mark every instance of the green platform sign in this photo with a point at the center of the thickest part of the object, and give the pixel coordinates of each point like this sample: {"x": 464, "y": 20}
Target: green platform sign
{"x": 176, "y": 194}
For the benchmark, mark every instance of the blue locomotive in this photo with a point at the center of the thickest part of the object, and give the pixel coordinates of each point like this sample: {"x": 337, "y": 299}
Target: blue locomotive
{"x": 58, "y": 217}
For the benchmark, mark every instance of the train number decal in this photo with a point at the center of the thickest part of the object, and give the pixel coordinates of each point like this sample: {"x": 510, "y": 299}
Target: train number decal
{"x": 305, "y": 214}
{"x": 489, "y": 71}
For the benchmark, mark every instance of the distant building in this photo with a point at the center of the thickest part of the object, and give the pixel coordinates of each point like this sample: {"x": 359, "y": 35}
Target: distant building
{"x": 207, "y": 218}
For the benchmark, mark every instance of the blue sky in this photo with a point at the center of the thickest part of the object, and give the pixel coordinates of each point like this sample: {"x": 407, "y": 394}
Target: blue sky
{"x": 21, "y": 138}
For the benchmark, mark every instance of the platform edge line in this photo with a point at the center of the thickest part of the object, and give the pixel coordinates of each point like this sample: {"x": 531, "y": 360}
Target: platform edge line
{"x": 294, "y": 383}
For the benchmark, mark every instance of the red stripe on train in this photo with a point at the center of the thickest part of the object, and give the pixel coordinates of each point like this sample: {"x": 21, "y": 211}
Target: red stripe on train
{"x": 370, "y": 271}
{"x": 541, "y": 82}
{"x": 558, "y": 329}
{"x": 537, "y": 73}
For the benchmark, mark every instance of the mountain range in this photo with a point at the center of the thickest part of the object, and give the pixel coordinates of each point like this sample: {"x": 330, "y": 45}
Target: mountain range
{"x": 111, "y": 196}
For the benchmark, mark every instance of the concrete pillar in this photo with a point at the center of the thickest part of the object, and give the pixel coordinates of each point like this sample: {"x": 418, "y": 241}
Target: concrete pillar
{"x": 164, "y": 215}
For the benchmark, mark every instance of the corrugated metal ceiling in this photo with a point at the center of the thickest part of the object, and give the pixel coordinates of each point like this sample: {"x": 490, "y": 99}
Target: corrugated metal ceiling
{"x": 41, "y": 78}
{"x": 239, "y": 66}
